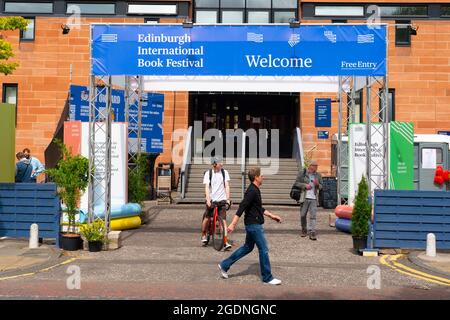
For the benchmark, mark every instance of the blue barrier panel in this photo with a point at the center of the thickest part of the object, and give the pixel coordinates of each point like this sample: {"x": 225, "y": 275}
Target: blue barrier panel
{"x": 404, "y": 218}
{"x": 22, "y": 204}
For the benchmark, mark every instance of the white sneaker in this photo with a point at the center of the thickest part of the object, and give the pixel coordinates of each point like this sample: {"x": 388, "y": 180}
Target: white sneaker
{"x": 223, "y": 272}
{"x": 227, "y": 247}
{"x": 274, "y": 282}
{"x": 204, "y": 239}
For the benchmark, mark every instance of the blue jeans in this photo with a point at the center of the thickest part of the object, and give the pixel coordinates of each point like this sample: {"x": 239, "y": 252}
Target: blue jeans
{"x": 254, "y": 235}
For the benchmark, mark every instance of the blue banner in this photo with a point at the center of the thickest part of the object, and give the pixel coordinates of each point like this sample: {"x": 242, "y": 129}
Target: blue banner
{"x": 323, "y": 112}
{"x": 239, "y": 50}
{"x": 152, "y": 114}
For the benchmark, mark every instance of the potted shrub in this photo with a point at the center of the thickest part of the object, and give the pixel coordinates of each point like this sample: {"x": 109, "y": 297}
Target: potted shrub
{"x": 360, "y": 216}
{"x": 71, "y": 176}
{"x": 94, "y": 234}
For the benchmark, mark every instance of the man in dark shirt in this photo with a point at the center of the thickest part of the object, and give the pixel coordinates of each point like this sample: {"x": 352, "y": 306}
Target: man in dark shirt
{"x": 23, "y": 168}
{"x": 253, "y": 220}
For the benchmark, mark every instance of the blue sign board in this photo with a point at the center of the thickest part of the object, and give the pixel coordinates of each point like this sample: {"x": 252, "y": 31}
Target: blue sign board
{"x": 323, "y": 112}
{"x": 445, "y": 133}
{"x": 152, "y": 114}
{"x": 239, "y": 50}
{"x": 323, "y": 134}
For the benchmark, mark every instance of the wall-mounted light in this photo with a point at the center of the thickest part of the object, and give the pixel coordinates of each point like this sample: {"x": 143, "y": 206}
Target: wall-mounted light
{"x": 413, "y": 30}
{"x": 65, "y": 29}
{"x": 293, "y": 23}
{"x": 187, "y": 23}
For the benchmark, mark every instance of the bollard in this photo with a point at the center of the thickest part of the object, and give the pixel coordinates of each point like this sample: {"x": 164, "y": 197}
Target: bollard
{"x": 431, "y": 245}
{"x": 34, "y": 236}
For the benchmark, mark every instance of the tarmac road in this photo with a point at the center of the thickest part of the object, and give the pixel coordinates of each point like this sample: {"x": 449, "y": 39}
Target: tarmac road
{"x": 164, "y": 259}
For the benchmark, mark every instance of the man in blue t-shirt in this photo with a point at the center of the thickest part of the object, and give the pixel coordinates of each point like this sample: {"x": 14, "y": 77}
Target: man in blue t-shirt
{"x": 37, "y": 166}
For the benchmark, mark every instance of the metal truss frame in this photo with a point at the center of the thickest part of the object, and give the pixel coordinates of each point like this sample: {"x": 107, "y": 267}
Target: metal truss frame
{"x": 100, "y": 120}
{"x": 133, "y": 116}
{"x": 377, "y": 167}
{"x": 100, "y": 148}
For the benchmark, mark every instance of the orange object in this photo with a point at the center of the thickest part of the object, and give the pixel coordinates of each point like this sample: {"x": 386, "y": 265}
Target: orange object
{"x": 344, "y": 211}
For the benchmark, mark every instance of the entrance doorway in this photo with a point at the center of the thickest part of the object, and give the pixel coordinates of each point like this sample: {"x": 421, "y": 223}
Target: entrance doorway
{"x": 248, "y": 111}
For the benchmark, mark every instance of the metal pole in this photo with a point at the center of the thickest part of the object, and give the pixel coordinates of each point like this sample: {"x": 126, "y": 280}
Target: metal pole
{"x": 139, "y": 115}
{"x": 92, "y": 171}
{"x": 92, "y": 95}
{"x": 387, "y": 119}
{"x": 339, "y": 144}
{"x": 108, "y": 156}
{"x": 369, "y": 136}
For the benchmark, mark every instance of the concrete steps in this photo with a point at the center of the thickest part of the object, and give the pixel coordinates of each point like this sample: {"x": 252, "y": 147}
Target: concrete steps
{"x": 275, "y": 189}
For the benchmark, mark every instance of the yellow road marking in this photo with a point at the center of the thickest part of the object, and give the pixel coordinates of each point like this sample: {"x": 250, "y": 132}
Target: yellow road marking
{"x": 42, "y": 270}
{"x": 398, "y": 264}
{"x": 412, "y": 273}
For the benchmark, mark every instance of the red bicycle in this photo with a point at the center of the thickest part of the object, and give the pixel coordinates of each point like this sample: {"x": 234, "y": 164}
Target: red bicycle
{"x": 216, "y": 229}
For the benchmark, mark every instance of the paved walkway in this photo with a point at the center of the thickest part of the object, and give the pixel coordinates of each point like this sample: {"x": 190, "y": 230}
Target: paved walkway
{"x": 15, "y": 256}
{"x": 165, "y": 260}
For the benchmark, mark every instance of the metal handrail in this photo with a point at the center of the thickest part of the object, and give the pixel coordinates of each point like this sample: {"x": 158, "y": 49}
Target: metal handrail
{"x": 297, "y": 149}
{"x": 186, "y": 161}
{"x": 243, "y": 164}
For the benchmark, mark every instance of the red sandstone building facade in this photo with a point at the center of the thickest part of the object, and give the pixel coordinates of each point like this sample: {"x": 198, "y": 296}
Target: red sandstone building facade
{"x": 419, "y": 65}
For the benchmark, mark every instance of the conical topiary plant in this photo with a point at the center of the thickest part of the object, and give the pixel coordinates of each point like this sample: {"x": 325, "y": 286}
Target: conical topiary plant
{"x": 361, "y": 211}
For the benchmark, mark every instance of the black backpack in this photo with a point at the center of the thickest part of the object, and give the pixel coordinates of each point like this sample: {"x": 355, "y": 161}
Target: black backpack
{"x": 295, "y": 191}
{"x": 223, "y": 175}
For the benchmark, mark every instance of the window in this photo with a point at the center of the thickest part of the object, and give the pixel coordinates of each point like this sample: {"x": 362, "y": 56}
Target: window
{"x": 283, "y": 16}
{"x": 232, "y": 4}
{"x": 258, "y": 17}
{"x": 284, "y": 4}
{"x": 232, "y": 16}
{"x": 426, "y": 152}
{"x": 391, "y": 105}
{"x": 207, "y": 3}
{"x": 344, "y": 11}
{"x": 206, "y": 16}
{"x": 259, "y": 4}
{"x": 28, "y": 7}
{"x": 402, "y": 33}
{"x": 10, "y": 94}
{"x": 28, "y": 34}
{"x": 91, "y": 8}
{"x": 170, "y": 9}
{"x": 245, "y": 11}
{"x": 445, "y": 11}
{"x": 407, "y": 11}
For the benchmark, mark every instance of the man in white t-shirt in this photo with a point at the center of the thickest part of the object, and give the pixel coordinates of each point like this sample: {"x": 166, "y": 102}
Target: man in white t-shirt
{"x": 217, "y": 189}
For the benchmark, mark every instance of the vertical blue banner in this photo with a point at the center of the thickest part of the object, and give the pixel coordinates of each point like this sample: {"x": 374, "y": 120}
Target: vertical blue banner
{"x": 152, "y": 114}
{"x": 322, "y": 112}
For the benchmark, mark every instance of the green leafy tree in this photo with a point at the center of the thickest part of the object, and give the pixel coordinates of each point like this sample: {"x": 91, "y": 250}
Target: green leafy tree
{"x": 137, "y": 188}
{"x": 6, "y": 52}
{"x": 72, "y": 177}
{"x": 361, "y": 211}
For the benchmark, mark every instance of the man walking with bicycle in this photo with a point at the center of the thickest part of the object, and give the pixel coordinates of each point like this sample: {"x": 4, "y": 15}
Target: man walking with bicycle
{"x": 217, "y": 190}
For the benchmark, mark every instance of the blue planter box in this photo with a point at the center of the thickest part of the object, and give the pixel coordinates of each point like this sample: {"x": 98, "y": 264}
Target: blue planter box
{"x": 22, "y": 204}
